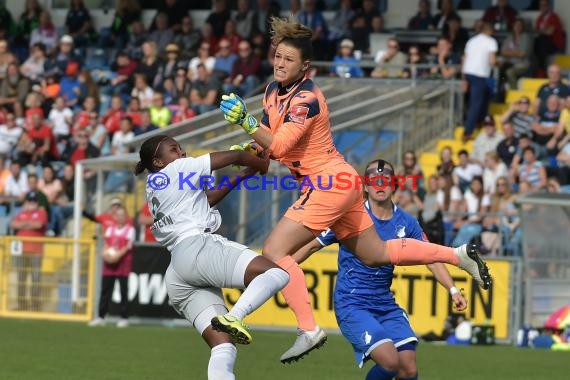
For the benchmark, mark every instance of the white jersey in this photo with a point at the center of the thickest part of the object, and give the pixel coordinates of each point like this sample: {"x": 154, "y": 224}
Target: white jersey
{"x": 179, "y": 206}
{"x": 477, "y": 55}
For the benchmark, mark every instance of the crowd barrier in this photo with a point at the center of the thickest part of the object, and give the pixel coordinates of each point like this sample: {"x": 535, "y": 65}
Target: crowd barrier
{"x": 47, "y": 278}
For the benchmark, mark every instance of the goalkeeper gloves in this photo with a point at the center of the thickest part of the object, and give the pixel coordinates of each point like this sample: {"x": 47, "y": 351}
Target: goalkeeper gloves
{"x": 235, "y": 112}
{"x": 248, "y": 147}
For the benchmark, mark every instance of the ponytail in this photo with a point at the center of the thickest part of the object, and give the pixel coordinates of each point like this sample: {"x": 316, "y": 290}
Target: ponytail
{"x": 139, "y": 168}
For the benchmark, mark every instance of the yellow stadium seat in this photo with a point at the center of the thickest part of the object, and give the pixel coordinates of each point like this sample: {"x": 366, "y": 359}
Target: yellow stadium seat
{"x": 428, "y": 171}
{"x": 429, "y": 159}
{"x": 456, "y": 146}
{"x": 531, "y": 84}
{"x": 563, "y": 61}
{"x": 515, "y": 95}
{"x": 458, "y": 133}
{"x": 498, "y": 108}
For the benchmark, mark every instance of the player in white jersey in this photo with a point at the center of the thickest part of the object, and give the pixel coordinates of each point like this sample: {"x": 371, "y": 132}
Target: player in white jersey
{"x": 203, "y": 262}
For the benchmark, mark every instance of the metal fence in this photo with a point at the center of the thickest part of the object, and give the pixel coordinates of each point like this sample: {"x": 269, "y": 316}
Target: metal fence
{"x": 47, "y": 278}
{"x": 545, "y": 220}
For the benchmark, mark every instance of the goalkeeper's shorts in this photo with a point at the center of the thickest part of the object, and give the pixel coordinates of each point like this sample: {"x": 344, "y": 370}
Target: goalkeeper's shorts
{"x": 340, "y": 207}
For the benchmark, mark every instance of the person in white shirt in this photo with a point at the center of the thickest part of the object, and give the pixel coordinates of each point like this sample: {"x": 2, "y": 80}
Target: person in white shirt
{"x": 486, "y": 141}
{"x": 475, "y": 203}
{"x": 464, "y": 172}
{"x": 203, "y": 262}
{"x": 448, "y": 198}
{"x": 480, "y": 57}
{"x": 17, "y": 183}
{"x": 122, "y": 137}
{"x": 9, "y": 135}
{"x": 61, "y": 118}
{"x": 495, "y": 168}
{"x": 120, "y": 179}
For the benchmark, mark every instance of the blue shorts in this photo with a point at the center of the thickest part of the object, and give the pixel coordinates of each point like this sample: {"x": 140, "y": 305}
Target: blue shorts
{"x": 367, "y": 328}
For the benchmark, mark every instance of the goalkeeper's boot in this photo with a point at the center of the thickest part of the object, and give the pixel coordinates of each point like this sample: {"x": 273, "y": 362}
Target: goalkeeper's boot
{"x": 306, "y": 342}
{"x": 233, "y": 327}
{"x": 471, "y": 263}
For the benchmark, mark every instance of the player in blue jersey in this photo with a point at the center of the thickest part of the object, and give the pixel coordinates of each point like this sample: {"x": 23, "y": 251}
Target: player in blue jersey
{"x": 365, "y": 309}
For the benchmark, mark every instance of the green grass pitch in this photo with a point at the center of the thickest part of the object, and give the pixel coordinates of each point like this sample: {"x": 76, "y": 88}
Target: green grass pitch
{"x": 63, "y": 350}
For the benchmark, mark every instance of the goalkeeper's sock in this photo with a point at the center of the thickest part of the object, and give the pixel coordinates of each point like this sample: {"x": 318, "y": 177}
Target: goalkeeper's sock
{"x": 379, "y": 373}
{"x": 416, "y": 252}
{"x": 259, "y": 290}
{"x": 297, "y": 295}
{"x": 221, "y": 364}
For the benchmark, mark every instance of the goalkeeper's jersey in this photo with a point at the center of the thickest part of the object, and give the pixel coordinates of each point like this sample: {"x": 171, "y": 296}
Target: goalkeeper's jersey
{"x": 299, "y": 121}
{"x": 178, "y": 203}
{"x": 358, "y": 282}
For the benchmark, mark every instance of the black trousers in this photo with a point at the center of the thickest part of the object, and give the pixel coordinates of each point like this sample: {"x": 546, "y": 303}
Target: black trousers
{"x": 107, "y": 286}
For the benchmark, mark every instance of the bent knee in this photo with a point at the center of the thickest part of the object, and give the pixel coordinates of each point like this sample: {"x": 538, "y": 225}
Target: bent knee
{"x": 273, "y": 251}
{"x": 408, "y": 372}
{"x": 390, "y": 363}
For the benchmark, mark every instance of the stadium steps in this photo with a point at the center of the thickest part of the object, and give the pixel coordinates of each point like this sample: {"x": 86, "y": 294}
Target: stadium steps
{"x": 531, "y": 84}
{"x": 515, "y": 95}
{"x": 429, "y": 160}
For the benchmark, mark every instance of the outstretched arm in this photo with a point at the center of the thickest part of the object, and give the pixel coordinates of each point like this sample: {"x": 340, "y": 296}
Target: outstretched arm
{"x": 305, "y": 252}
{"x": 217, "y": 194}
{"x": 442, "y": 276}
{"x": 219, "y": 160}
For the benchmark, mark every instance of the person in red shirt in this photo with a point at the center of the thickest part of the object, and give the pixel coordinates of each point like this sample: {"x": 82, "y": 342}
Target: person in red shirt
{"x": 32, "y": 221}
{"x": 81, "y": 148}
{"x": 82, "y": 117}
{"x": 109, "y": 218}
{"x": 125, "y": 69}
{"x": 146, "y": 220}
{"x": 44, "y": 141}
{"x": 134, "y": 111}
{"x": 117, "y": 265}
{"x": 184, "y": 112}
{"x": 502, "y": 16}
{"x": 33, "y": 110}
{"x": 112, "y": 119}
{"x": 550, "y": 36}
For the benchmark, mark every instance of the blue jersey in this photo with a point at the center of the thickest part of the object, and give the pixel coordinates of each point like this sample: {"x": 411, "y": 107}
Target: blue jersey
{"x": 370, "y": 284}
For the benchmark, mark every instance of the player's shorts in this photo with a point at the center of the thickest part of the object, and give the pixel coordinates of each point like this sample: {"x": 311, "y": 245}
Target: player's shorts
{"x": 200, "y": 266}
{"x": 367, "y": 329}
{"x": 340, "y": 208}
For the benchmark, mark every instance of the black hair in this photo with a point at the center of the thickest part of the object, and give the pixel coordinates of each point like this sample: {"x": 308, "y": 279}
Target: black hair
{"x": 148, "y": 152}
{"x": 463, "y": 152}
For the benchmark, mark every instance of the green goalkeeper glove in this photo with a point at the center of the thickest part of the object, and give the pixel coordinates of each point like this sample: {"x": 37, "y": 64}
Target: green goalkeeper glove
{"x": 249, "y": 146}
{"x": 235, "y": 112}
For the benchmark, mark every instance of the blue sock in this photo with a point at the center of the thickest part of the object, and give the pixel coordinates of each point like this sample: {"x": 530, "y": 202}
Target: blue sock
{"x": 379, "y": 373}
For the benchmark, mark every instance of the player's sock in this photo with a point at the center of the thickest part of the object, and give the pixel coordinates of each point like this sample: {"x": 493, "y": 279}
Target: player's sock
{"x": 221, "y": 364}
{"x": 379, "y": 373}
{"x": 297, "y": 295}
{"x": 416, "y": 252}
{"x": 409, "y": 378}
{"x": 259, "y": 290}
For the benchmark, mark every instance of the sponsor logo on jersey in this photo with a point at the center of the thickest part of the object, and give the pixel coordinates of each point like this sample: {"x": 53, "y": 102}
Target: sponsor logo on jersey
{"x": 401, "y": 231}
{"x": 298, "y": 114}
